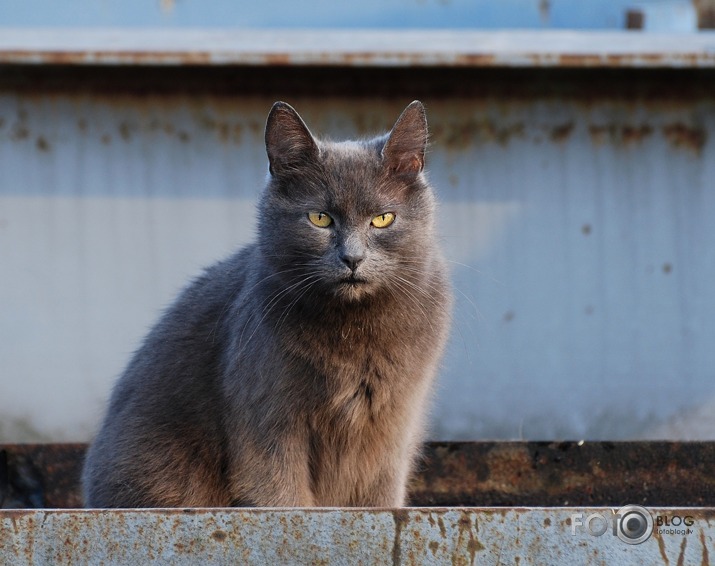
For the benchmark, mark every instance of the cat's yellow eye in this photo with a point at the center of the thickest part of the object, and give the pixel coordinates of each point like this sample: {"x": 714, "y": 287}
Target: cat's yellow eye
{"x": 383, "y": 220}
{"x": 320, "y": 219}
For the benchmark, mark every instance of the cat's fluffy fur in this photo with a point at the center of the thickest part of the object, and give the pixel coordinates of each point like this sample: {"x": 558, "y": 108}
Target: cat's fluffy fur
{"x": 296, "y": 372}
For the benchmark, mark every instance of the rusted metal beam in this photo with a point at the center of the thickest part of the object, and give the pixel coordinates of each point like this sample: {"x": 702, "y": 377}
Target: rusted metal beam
{"x": 455, "y": 474}
{"x": 356, "y": 48}
{"x": 338, "y": 536}
{"x": 566, "y": 474}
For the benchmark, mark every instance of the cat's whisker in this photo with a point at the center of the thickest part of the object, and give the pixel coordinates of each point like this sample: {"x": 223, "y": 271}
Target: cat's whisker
{"x": 477, "y": 313}
{"x": 233, "y": 296}
{"x": 294, "y": 302}
{"x": 419, "y": 287}
{"x": 269, "y": 307}
{"x": 399, "y": 283}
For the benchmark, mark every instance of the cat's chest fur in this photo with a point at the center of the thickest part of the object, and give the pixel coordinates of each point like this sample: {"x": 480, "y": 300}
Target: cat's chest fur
{"x": 367, "y": 393}
{"x": 361, "y": 361}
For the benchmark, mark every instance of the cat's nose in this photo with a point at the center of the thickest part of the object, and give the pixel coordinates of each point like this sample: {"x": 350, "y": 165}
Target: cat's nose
{"x": 352, "y": 260}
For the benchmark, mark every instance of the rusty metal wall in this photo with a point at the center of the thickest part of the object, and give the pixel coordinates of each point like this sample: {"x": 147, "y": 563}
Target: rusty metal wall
{"x": 576, "y": 209}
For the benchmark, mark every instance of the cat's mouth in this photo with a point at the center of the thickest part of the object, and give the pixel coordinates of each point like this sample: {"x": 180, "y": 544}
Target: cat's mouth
{"x": 352, "y": 288}
{"x": 353, "y": 280}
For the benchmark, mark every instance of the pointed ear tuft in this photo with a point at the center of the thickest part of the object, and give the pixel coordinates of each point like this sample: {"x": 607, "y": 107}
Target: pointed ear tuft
{"x": 289, "y": 143}
{"x": 404, "y": 151}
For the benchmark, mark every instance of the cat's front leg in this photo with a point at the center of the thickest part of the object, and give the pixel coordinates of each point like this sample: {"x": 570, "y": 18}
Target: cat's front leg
{"x": 272, "y": 473}
{"x": 388, "y": 488}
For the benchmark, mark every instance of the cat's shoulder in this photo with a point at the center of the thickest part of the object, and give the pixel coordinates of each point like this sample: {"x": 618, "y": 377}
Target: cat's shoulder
{"x": 221, "y": 280}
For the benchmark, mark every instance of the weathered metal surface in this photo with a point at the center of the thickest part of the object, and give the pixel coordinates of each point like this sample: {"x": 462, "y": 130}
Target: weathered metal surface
{"x": 575, "y": 210}
{"x": 372, "y": 48}
{"x": 337, "y": 536}
{"x": 40, "y": 475}
{"x": 566, "y": 474}
{"x": 454, "y": 474}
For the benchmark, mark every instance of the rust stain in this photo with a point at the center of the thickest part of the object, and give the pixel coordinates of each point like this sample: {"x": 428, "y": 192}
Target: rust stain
{"x": 225, "y": 130}
{"x": 562, "y": 132}
{"x": 256, "y": 128}
{"x": 277, "y": 59}
{"x": 462, "y": 135}
{"x": 442, "y": 528}
{"x": 125, "y": 130}
{"x": 661, "y": 547}
{"x": 466, "y": 529}
{"x": 219, "y": 535}
{"x": 42, "y": 144}
{"x": 325, "y": 58}
{"x": 90, "y": 57}
{"x": 400, "y": 517}
{"x": 434, "y": 547}
{"x": 681, "y": 556}
{"x": 475, "y": 546}
{"x": 706, "y": 555}
{"x": 600, "y": 133}
{"x": 683, "y": 136}
{"x": 19, "y": 132}
{"x": 615, "y": 133}
{"x": 633, "y": 134}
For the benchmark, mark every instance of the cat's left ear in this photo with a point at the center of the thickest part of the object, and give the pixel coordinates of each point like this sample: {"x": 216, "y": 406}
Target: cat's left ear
{"x": 404, "y": 151}
{"x": 289, "y": 143}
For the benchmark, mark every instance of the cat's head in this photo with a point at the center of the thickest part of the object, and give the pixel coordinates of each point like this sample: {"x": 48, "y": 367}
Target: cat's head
{"x": 349, "y": 219}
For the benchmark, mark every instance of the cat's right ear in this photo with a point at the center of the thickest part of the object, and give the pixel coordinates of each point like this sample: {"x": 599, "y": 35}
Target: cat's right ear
{"x": 289, "y": 143}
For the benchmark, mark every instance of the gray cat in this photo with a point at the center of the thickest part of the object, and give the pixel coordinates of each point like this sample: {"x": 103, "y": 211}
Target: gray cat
{"x": 296, "y": 372}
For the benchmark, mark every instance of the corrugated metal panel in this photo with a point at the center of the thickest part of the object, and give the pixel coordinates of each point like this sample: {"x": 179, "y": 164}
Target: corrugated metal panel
{"x": 371, "y": 48}
{"x": 575, "y": 207}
